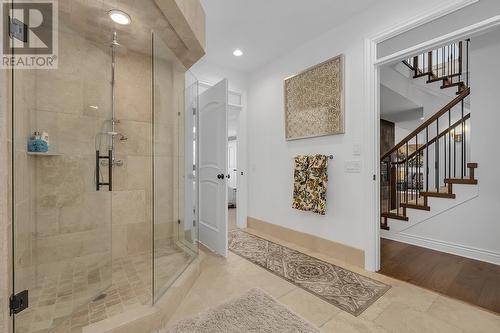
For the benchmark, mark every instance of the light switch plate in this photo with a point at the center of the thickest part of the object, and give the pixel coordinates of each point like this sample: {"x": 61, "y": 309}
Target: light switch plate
{"x": 352, "y": 166}
{"x": 357, "y": 150}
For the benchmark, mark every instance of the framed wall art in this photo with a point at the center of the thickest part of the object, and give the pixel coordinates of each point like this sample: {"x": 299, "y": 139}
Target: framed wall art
{"x": 314, "y": 101}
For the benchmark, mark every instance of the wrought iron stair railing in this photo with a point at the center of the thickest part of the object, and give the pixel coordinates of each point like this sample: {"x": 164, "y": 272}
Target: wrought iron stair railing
{"x": 436, "y": 154}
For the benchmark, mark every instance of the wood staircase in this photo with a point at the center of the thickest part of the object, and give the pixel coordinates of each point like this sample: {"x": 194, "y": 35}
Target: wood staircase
{"x": 430, "y": 160}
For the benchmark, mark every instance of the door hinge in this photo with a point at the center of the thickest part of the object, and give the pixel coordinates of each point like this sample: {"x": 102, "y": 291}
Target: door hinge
{"x": 178, "y": 221}
{"x": 18, "y": 30}
{"x": 194, "y": 223}
{"x": 374, "y": 177}
{"x": 18, "y": 302}
{"x": 194, "y": 111}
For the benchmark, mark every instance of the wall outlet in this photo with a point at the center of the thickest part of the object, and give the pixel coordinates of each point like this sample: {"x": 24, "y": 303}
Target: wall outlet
{"x": 357, "y": 150}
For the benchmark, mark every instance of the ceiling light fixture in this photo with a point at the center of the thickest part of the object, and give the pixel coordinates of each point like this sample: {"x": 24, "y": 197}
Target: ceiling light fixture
{"x": 119, "y": 16}
{"x": 237, "y": 53}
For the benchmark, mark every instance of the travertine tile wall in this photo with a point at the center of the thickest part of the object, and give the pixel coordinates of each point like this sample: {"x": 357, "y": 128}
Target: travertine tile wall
{"x": 132, "y": 192}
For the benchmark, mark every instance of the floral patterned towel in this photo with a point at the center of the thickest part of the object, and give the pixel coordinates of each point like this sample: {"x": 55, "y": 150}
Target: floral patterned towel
{"x": 299, "y": 184}
{"x": 310, "y": 183}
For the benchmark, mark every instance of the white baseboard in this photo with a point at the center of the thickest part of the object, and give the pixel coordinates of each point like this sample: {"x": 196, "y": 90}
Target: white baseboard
{"x": 447, "y": 247}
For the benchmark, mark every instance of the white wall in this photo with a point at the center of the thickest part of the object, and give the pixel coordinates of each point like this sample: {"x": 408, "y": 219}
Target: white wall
{"x": 428, "y": 96}
{"x": 270, "y": 156}
{"x": 400, "y": 133}
{"x": 475, "y": 224}
{"x": 238, "y": 81}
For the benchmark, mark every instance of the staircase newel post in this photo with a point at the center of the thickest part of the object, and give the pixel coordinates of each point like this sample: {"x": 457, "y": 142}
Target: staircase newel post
{"x": 393, "y": 184}
{"x": 429, "y": 70}
{"x": 460, "y": 58}
{"x": 407, "y": 171}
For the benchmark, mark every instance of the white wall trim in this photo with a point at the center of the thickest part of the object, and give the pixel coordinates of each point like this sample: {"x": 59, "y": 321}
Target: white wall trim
{"x": 447, "y": 247}
{"x": 470, "y": 31}
{"x": 372, "y": 124}
{"x": 210, "y": 85}
{"x": 424, "y": 17}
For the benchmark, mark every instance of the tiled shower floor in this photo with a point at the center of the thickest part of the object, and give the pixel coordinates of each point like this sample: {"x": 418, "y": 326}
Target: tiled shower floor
{"x": 56, "y": 306}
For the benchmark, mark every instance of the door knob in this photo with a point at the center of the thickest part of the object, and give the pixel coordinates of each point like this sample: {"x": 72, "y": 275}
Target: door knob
{"x": 220, "y": 176}
{"x": 228, "y": 176}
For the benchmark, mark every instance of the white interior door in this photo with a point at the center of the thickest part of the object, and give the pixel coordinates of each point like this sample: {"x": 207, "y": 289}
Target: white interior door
{"x": 213, "y": 167}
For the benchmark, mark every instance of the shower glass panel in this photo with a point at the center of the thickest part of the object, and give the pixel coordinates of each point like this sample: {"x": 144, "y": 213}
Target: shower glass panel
{"x": 62, "y": 225}
{"x": 83, "y": 252}
{"x": 174, "y": 97}
{"x": 187, "y": 229}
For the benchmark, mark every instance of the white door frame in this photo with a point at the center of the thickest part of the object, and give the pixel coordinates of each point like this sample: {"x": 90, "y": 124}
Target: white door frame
{"x": 372, "y": 105}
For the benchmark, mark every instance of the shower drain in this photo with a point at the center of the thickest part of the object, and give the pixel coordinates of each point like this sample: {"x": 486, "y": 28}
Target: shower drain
{"x": 98, "y": 298}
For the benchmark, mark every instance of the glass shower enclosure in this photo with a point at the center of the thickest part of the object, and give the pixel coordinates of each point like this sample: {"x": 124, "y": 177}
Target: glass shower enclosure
{"x": 106, "y": 219}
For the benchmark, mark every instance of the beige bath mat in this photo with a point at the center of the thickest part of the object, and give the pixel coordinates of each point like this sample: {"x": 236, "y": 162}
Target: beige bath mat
{"x": 255, "y": 311}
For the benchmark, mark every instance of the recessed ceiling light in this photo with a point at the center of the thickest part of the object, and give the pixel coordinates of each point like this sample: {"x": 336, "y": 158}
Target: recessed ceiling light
{"x": 237, "y": 53}
{"x": 119, "y": 16}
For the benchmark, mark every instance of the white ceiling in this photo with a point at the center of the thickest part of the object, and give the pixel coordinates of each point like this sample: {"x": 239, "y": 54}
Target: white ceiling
{"x": 267, "y": 29}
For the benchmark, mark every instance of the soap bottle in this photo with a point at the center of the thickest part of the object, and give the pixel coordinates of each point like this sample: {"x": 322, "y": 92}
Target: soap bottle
{"x": 45, "y": 137}
{"x": 37, "y": 145}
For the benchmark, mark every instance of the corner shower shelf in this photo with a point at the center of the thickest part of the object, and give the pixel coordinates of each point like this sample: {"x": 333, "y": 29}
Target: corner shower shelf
{"x": 43, "y": 154}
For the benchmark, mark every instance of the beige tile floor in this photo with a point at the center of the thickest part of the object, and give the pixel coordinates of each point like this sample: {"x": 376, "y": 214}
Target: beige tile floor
{"x": 131, "y": 287}
{"x": 404, "y": 308}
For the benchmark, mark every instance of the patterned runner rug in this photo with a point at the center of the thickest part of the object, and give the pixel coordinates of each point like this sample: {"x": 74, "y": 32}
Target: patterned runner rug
{"x": 349, "y": 291}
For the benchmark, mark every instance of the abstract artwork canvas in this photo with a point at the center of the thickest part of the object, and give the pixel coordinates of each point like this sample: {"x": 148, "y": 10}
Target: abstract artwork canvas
{"x": 314, "y": 101}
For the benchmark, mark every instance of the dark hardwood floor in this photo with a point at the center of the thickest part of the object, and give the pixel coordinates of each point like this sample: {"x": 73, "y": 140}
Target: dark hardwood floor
{"x": 469, "y": 280}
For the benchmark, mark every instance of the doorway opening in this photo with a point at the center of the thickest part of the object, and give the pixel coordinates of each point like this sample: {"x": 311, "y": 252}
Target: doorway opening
{"x": 222, "y": 150}
{"x": 232, "y": 168}
{"x": 431, "y": 164}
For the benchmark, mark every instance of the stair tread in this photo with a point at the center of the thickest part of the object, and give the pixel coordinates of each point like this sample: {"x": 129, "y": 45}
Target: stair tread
{"x": 440, "y": 78}
{"x": 443, "y": 193}
{"x": 454, "y": 84}
{"x": 393, "y": 215}
{"x": 417, "y": 203}
{"x": 421, "y": 75}
{"x": 442, "y": 189}
{"x": 466, "y": 181}
{"x": 472, "y": 165}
